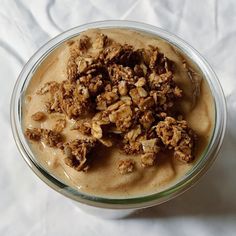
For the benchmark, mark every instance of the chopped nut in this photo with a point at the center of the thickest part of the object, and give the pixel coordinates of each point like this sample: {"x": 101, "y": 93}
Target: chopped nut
{"x": 126, "y": 166}
{"x": 38, "y": 116}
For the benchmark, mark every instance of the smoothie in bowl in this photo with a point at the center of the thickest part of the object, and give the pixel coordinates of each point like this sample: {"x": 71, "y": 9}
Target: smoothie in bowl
{"x": 119, "y": 115}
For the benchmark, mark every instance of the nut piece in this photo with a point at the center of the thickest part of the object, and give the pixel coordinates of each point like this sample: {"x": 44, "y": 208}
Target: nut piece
{"x": 126, "y": 166}
{"x": 38, "y": 116}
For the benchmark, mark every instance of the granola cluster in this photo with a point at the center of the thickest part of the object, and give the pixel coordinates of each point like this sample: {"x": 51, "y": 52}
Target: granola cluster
{"x": 116, "y": 91}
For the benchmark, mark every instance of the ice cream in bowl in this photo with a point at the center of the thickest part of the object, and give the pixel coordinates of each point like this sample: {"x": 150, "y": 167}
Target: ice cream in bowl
{"x": 118, "y": 116}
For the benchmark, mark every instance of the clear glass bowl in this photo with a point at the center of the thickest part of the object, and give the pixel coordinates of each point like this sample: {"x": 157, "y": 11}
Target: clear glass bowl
{"x": 183, "y": 184}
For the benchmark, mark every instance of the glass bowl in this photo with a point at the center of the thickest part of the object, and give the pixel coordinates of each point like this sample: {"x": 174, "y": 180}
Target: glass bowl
{"x": 118, "y": 207}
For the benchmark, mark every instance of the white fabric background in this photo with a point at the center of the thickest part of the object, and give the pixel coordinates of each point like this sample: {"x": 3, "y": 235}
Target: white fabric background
{"x": 29, "y": 207}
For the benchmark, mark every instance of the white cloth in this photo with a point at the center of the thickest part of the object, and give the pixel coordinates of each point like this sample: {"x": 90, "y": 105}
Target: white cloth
{"x": 29, "y": 207}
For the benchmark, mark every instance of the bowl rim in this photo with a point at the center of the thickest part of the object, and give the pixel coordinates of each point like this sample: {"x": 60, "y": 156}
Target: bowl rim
{"x": 204, "y": 162}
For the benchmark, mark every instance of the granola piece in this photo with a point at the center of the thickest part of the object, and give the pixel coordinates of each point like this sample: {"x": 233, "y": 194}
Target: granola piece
{"x": 71, "y": 98}
{"x": 126, "y": 166}
{"x": 101, "y": 118}
{"x": 178, "y": 136}
{"x": 38, "y": 116}
{"x": 146, "y": 103}
{"x": 153, "y": 58}
{"x": 133, "y": 134}
{"x": 71, "y": 64}
{"x": 83, "y": 126}
{"x": 118, "y": 73}
{"x": 122, "y": 117}
{"x": 50, "y": 137}
{"x": 78, "y": 153}
{"x": 162, "y": 82}
{"x": 101, "y": 41}
{"x": 159, "y": 63}
{"x": 94, "y": 84}
{"x": 84, "y": 43}
{"x": 33, "y": 134}
{"x": 169, "y": 131}
{"x": 82, "y": 65}
{"x": 112, "y": 52}
{"x": 148, "y": 159}
{"x": 51, "y": 87}
{"x": 72, "y": 69}
{"x": 132, "y": 147}
{"x": 131, "y": 144}
{"x": 147, "y": 119}
{"x": 60, "y": 125}
{"x": 107, "y": 98}
{"x": 183, "y": 152}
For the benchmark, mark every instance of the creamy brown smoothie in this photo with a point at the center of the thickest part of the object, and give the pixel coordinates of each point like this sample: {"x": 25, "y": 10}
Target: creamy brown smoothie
{"x": 118, "y": 113}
